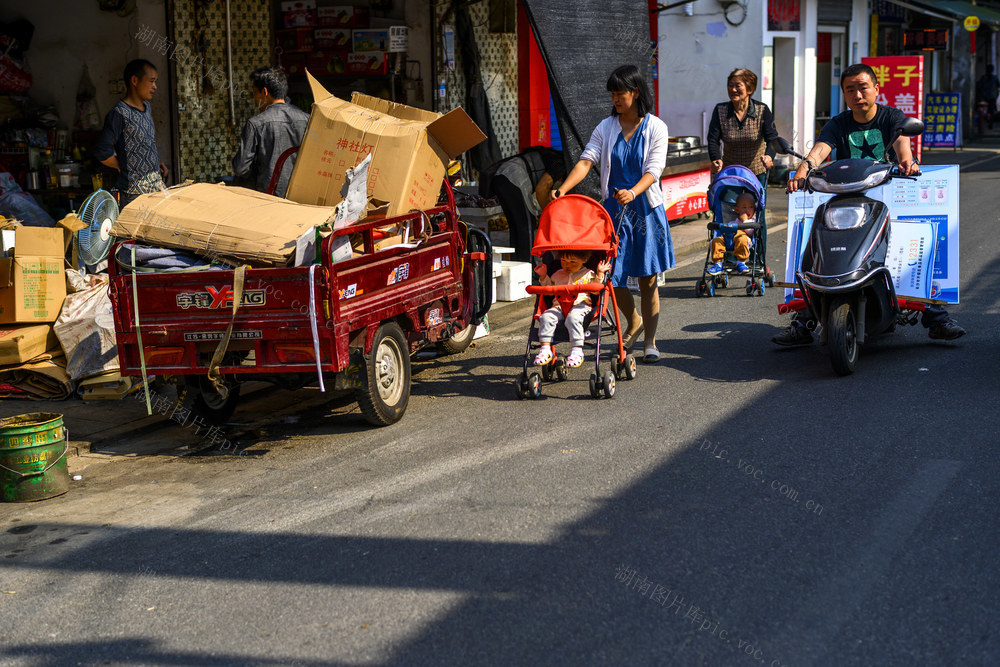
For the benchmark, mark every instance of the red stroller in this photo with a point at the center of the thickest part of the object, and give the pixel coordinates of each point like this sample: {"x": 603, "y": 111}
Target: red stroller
{"x": 576, "y": 222}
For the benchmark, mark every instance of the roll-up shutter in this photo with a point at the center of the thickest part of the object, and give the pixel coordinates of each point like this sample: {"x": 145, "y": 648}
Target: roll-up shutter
{"x": 834, "y": 12}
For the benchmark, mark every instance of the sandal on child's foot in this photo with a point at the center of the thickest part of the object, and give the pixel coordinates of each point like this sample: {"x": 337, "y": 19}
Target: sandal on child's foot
{"x": 544, "y": 357}
{"x": 575, "y": 358}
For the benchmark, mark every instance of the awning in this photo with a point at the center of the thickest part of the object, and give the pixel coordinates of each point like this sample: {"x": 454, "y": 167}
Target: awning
{"x": 963, "y": 9}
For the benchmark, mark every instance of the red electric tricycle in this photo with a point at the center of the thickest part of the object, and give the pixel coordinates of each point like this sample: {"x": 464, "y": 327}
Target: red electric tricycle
{"x": 346, "y": 326}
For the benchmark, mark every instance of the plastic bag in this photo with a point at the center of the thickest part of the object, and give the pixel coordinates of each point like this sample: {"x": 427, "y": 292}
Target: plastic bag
{"x": 14, "y": 79}
{"x": 18, "y": 204}
{"x": 87, "y": 116}
{"x": 86, "y": 327}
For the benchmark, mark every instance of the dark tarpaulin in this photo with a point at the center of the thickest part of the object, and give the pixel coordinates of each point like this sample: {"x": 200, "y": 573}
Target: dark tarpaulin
{"x": 581, "y": 43}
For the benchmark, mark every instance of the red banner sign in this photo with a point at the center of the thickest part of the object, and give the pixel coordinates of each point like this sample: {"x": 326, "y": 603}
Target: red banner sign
{"x": 686, "y": 194}
{"x": 901, "y": 83}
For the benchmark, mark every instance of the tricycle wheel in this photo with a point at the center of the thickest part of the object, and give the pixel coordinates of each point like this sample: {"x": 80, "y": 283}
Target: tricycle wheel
{"x": 458, "y": 343}
{"x": 197, "y": 394}
{"x": 386, "y": 391}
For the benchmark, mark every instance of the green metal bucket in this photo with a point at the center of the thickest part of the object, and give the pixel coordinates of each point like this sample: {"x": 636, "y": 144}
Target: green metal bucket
{"x": 33, "y": 457}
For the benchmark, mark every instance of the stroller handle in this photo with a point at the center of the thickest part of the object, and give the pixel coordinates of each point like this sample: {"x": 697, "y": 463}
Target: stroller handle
{"x": 745, "y": 225}
{"x": 565, "y": 290}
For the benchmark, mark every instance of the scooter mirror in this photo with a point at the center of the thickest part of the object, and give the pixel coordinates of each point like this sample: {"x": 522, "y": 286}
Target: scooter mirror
{"x": 911, "y": 127}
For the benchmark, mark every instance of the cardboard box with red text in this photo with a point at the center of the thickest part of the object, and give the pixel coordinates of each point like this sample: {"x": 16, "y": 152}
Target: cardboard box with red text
{"x": 373, "y": 62}
{"x": 342, "y": 16}
{"x": 332, "y": 39}
{"x": 410, "y": 149}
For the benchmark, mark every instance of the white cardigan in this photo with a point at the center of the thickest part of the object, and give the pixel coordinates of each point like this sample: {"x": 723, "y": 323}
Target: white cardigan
{"x": 654, "y": 159}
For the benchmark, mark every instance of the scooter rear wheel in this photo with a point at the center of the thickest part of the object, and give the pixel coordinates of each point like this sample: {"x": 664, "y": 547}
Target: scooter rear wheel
{"x": 843, "y": 337}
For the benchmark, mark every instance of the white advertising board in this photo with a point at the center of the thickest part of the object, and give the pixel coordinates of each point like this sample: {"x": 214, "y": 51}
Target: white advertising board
{"x": 931, "y": 199}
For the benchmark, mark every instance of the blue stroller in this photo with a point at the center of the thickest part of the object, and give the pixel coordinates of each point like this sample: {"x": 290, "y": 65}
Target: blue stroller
{"x": 729, "y": 184}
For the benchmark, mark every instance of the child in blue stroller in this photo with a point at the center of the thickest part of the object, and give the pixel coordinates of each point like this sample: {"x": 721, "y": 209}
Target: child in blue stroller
{"x": 736, "y": 199}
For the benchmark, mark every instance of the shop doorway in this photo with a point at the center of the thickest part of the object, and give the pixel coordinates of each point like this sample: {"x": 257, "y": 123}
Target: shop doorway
{"x": 830, "y": 42}
{"x": 784, "y": 90}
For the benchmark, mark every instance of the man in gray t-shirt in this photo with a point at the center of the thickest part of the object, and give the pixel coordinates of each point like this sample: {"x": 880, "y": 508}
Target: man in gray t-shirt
{"x": 277, "y": 127}
{"x": 128, "y": 141}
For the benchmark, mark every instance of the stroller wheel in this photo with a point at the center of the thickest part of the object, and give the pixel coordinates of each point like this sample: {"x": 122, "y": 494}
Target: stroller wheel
{"x": 629, "y": 367}
{"x": 561, "y": 373}
{"x": 700, "y": 289}
{"x": 534, "y": 385}
{"x": 615, "y": 366}
{"x": 595, "y": 389}
{"x": 749, "y": 288}
{"x": 725, "y": 280}
{"x": 769, "y": 277}
{"x": 710, "y": 288}
{"x": 521, "y": 385}
{"x": 609, "y": 384}
{"x": 547, "y": 372}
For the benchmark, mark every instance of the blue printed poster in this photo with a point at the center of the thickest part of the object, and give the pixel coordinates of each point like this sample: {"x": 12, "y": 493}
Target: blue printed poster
{"x": 943, "y": 120}
{"x": 930, "y": 199}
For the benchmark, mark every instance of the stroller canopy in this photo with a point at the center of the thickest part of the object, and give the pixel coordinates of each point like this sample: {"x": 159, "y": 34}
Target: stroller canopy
{"x": 734, "y": 179}
{"x": 575, "y": 222}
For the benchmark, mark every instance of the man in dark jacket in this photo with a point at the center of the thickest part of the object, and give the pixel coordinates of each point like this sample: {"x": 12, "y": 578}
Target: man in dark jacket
{"x": 277, "y": 127}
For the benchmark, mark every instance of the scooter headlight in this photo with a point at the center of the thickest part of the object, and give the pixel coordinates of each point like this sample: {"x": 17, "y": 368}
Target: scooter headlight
{"x": 844, "y": 217}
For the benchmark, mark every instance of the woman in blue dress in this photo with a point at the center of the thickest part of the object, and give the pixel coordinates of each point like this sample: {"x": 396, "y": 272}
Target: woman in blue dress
{"x": 630, "y": 146}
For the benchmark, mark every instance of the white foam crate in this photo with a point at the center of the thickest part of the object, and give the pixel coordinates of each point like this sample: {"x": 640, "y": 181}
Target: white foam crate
{"x": 513, "y": 281}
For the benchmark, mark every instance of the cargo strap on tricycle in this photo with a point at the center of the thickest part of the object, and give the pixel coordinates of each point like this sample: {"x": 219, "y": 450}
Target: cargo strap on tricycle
{"x": 220, "y": 350}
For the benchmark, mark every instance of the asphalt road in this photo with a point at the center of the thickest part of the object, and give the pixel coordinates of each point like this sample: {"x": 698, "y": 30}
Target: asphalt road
{"x": 735, "y": 504}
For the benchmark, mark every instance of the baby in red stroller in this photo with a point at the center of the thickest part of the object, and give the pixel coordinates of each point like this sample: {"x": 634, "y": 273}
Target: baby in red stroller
{"x": 578, "y": 231}
{"x": 573, "y": 272}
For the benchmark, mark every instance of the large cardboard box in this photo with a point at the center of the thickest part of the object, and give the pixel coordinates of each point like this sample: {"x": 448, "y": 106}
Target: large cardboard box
{"x": 32, "y": 279}
{"x": 226, "y": 223}
{"x": 220, "y": 221}
{"x": 410, "y": 149}
{"x": 20, "y": 344}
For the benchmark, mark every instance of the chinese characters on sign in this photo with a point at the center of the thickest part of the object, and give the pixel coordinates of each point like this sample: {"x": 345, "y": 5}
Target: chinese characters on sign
{"x": 943, "y": 122}
{"x": 929, "y": 39}
{"x": 685, "y": 194}
{"x": 901, "y": 84}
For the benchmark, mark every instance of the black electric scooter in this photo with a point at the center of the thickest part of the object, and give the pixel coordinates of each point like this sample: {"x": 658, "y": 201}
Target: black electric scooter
{"x": 844, "y": 281}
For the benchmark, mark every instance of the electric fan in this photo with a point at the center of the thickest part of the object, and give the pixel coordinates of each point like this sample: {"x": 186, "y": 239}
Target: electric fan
{"x": 98, "y": 212}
